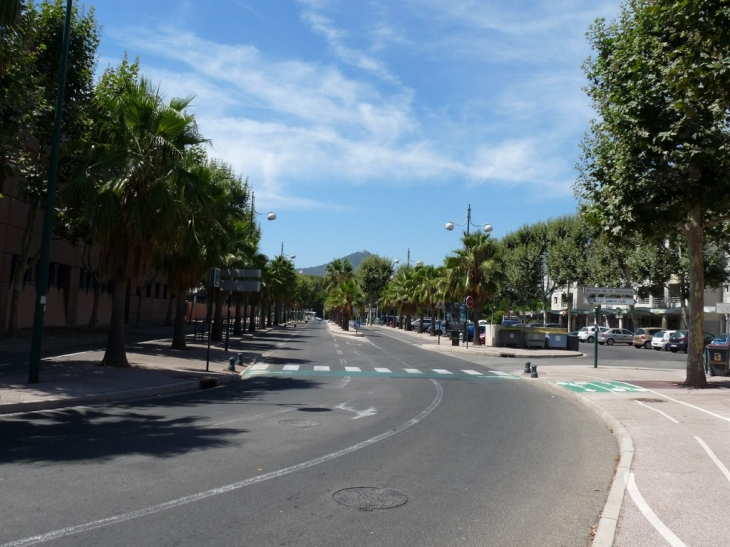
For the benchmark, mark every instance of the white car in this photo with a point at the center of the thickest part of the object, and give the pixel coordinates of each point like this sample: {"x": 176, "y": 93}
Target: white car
{"x": 586, "y": 334}
{"x": 660, "y": 341}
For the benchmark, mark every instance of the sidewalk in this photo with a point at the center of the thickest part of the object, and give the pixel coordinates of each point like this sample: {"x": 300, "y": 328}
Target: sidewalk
{"x": 672, "y": 482}
{"x": 77, "y": 379}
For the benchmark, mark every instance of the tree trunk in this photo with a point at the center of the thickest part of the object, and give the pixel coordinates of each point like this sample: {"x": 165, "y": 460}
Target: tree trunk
{"x": 237, "y": 327}
{"x": 171, "y": 303}
{"x": 116, "y": 354}
{"x": 476, "y": 317}
{"x": 178, "y": 333}
{"x": 252, "y": 318}
{"x": 93, "y": 320}
{"x": 695, "y": 246}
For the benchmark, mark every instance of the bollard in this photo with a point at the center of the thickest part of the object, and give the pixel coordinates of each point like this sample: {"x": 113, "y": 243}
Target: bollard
{"x": 527, "y": 368}
{"x": 232, "y": 364}
{"x": 534, "y": 371}
{"x": 239, "y": 359}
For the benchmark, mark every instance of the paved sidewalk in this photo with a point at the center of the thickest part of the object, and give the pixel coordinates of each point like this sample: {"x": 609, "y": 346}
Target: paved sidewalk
{"x": 672, "y": 481}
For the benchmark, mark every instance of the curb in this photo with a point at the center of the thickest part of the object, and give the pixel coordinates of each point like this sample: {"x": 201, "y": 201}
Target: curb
{"x": 500, "y": 352}
{"x": 606, "y": 529}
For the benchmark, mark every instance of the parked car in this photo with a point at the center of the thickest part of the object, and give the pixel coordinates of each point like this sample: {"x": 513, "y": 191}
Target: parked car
{"x": 586, "y": 334}
{"x": 678, "y": 340}
{"x": 643, "y": 336}
{"x": 439, "y": 328}
{"x": 470, "y": 330}
{"x": 553, "y": 326}
{"x": 510, "y": 322}
{"x": 535, "y": 325}
{"x": 416, "y": 323}
{"x": 616, "y": 336}
{"x": 660, "y": 341}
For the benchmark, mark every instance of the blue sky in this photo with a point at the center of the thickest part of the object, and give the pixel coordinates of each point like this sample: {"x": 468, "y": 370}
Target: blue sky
{"x": 368, "y": 124}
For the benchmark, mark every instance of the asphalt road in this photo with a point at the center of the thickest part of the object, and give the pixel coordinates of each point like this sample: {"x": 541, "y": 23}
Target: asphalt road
{"x": 413, "y": 448}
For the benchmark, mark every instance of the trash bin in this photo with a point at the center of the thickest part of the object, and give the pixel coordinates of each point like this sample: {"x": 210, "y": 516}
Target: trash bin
{"x": 718, "y": 360}
{"x": 557, "y": 341}
{"x": 511, "y": 337}
{"x": 535, "y": 338}
{"x": 573, "y": 343}
{"x": 454, "y": 337}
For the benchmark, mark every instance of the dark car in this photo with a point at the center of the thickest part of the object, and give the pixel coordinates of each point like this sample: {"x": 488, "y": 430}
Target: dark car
{"x": 678, "y": 340}
{"x": 482, "y": 330}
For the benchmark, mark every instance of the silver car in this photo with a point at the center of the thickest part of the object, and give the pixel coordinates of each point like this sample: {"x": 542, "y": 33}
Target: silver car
{"x": 616, "y": 336}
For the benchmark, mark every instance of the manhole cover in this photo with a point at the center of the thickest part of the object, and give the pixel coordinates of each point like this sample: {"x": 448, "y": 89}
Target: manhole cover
{"x": 644, "y": 400}
{"x": 368, "y": 498}
{"x": 33, "y": 439}
{"x": 301, "y": 423}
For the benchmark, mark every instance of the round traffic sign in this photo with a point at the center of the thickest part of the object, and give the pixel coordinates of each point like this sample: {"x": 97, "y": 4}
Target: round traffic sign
{"x": 469, "y": 301}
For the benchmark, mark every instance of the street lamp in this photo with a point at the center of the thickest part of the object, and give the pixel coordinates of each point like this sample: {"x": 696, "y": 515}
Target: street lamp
{"x": 271, "y": 215}
{"x": 290, "y": 257}
{"x": 450, "y": 225}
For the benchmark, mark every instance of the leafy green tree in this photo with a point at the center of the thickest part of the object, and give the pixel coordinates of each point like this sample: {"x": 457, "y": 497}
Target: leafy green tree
{"x": 345, "y": 297}
{"x": 650, "y": 164}
{"x": 28, "y": 88}
{"x": 336, "y": 272}
{"x": 373, "y": 275}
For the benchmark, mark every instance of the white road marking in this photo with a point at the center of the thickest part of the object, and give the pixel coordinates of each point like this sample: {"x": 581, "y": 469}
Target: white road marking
{"x": 345, "y": 380}
{"x": 667, "y": 416}
{"x": 337, "y": 345}
{"x": 360, "y": 413}
{"x": 94, "y": 525}
{"x": 260, "y": 367}
{"x": 343, "y": 362}
{"x": 339, "y": 352}
{"x": 473, "y": 372}
{"x": 500, "y": 373}
{"x": 412, "y": 371}
{"x": 352, "y": 369}
{"x": 655, "y": 521}
{"x": 685, "y": 404}
{"x": 714, "y": 458}
{"x": 380, "y": 369}
{"x": 291, "y": 367}
{"x": 64, "y": 355}
{"x": 441, "y": 371}
{"x": 321, "y": 368}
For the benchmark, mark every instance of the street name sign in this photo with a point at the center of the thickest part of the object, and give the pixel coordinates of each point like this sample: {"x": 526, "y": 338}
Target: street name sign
{"x": 611, "y": 301}
{"x": 611, "y": 291}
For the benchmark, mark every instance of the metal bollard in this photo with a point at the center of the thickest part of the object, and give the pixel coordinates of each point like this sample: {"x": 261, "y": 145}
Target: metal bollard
{"x": 232, "y": 364}
{"x": 534, "y": 371}
{"x": 239, "y": 359}
{"x": 527, "y": 368}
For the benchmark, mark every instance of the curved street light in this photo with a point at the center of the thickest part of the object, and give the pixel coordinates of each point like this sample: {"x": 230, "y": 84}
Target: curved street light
{"x": 450, "y": 225}
{"x": 271, "y": 215}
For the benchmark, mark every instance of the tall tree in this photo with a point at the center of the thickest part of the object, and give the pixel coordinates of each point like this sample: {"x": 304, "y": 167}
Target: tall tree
{"x": 373, "y": 274}
{"x": 130, "y": 194}
{"x": 654, "y": 161}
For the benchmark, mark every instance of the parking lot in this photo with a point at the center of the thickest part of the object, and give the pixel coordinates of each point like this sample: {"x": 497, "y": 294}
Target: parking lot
{"x": 628, "y": 356}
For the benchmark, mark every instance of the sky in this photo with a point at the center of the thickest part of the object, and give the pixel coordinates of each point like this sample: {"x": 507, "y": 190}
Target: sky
{"x": 370, "y": 124}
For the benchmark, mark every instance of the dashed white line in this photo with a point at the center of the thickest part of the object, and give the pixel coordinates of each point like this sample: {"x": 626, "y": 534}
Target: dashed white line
{"x": 667, "y": 416}
{"x": 714, "y": 458}
{"x": 352, "y": 369}
{"x": 381, "y": 369}
{"x": 441, "y": 371}
{"x": 291, "y": 367}
{"x": 321, "y": 368}
{"x": 412, "y": 371}
{"x": 339, "y": 352}
{"x": 472, "y": 372}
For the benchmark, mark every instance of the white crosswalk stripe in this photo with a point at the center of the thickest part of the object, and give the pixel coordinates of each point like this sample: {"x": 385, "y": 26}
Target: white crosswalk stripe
{"x": 321, "y": 368}
{"x": 472, "y": 372}
{"x": 259, "y": 367}
{"x": 291, "y": 367}
{"x": 352, "y": 369}
{"x": 441, "y": 371}
{"x": 412, "y": 371}
{"x": 381, "y": 369}
{"x": 500, "y": 373}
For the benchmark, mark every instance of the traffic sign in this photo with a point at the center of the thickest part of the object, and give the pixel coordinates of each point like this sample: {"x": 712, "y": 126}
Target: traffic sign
{"x": 469, "y": 301}
{"x": 611, "y": 301}
{"x": 612, "y": 291}
{"x": 439, "y": 305}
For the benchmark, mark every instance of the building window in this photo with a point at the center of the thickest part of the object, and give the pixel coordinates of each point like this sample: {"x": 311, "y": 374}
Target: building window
{"x": 157, "y": 290}
{"x": 555, "y": 299}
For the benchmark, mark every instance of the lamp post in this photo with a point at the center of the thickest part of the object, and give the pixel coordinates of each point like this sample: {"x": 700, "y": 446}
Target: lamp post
{"x": 450, "y": 225}
{"x": 34, "y": 367}
{"x": 487, "y": 229}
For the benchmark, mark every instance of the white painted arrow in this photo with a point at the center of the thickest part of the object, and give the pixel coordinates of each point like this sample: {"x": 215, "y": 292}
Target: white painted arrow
{"x": 360, "y": 413}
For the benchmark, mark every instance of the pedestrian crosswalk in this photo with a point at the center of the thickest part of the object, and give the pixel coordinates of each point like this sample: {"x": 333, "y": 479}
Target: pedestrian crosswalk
{"x": 264, "y": 368}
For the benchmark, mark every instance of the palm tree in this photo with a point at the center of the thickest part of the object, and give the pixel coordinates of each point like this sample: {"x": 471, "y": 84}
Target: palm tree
{"x": 476, "y": 271}
{"x": 428, "y": 291}
{"x": 345, "y": 297}
{"x": 129, "y": 194}
{"x": 336, "y": 272}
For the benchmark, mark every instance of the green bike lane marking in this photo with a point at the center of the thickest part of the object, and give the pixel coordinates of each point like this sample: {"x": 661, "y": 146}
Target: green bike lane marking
{"x": 601, "y": 387}
{"x": 374, "y": 374}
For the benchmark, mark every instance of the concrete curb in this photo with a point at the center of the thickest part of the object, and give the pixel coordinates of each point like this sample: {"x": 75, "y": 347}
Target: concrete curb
{"x": 501, "y": 352}
{"x": 606, "y": 530}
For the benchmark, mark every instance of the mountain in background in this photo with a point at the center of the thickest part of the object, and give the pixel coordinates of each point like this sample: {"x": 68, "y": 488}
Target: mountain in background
{"x": 354, "y": 258}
